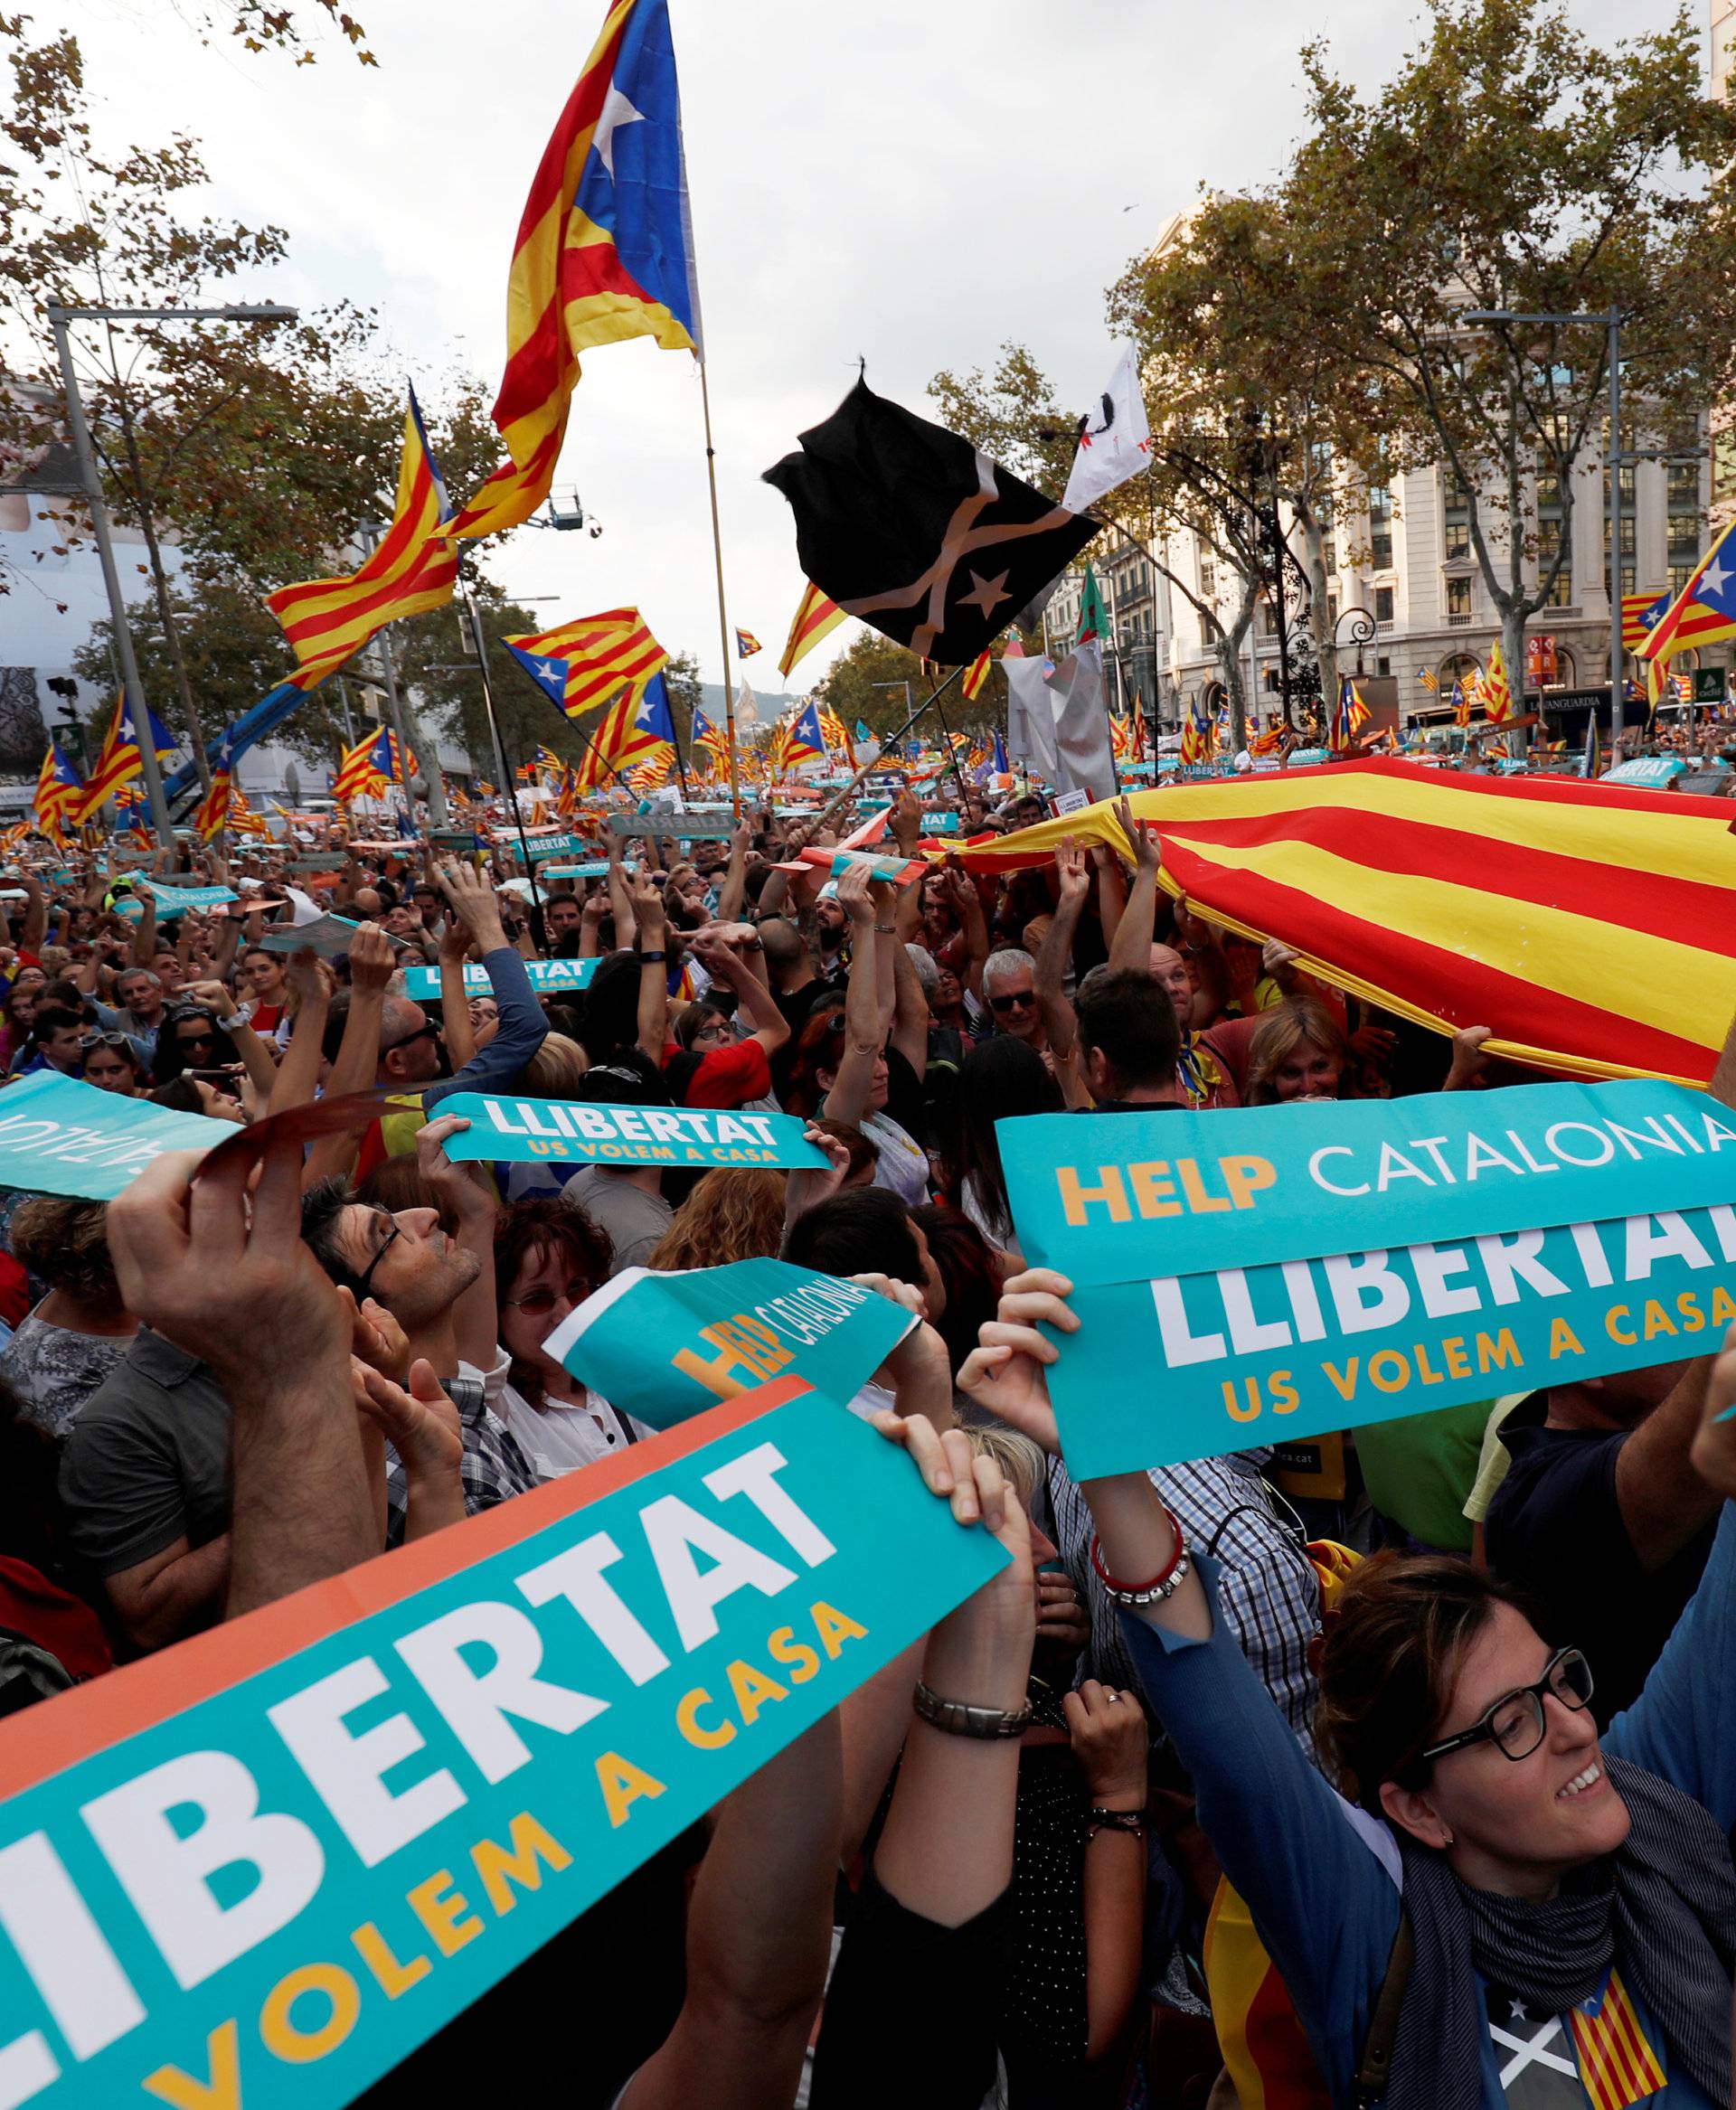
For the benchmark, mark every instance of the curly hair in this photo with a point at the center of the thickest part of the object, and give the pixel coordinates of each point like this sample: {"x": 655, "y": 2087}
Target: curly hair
{"x": 1298, "y": 1021}
{"x": 66, "y": 1243}
{"x": 536, "y": 1230}
{"x": 731, "y": 1215}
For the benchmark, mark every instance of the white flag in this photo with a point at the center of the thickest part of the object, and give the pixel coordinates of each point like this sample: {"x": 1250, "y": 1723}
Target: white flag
{"x": 1116, "y": 441}
{"x": 747, "y": 707}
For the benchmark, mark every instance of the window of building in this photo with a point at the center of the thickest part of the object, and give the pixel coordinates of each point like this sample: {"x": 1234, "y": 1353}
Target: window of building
{"x": 1383, "y": 666}
{"x": 1458, "y": 600}
{"x": 1271, "y": 681}
{"x": 1723, "y": 466}
{"x": 1457, "y": 545}
{"x": 1379, "y": 526}
{"x": 1267, "y": 618}
{"x": 1685, "y": 516}
{"x": 1552, "y": 538}
{"x": 1208, "y": 575}
{"x": 1382, "y": 603}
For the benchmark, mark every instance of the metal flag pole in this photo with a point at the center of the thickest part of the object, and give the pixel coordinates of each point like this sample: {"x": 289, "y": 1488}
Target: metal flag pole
{"x": 723, "y": 612}
{"x": 508, "y": 782}
{"x": 946, "y": 734}
{"x": 591, "y": 745}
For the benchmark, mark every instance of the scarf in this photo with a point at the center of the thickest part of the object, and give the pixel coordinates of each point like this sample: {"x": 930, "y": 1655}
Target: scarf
{"x": 1662, "y": 1907}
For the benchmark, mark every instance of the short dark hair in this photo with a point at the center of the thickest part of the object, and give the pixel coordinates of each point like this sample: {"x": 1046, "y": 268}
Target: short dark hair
{"x": 629, "y": 1078}
{"x": 1131, "y": 1023}
{"x": 55, "y": 1017}
{"x": 322, "y": 1216}
{"x": 862, "y": 1230}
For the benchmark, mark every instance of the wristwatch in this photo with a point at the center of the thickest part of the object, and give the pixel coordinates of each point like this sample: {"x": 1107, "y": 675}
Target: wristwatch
{"x": 958, "y": 1718}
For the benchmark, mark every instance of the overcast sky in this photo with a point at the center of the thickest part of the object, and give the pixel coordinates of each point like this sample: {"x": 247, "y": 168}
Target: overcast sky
{"x": 911, "y": 180}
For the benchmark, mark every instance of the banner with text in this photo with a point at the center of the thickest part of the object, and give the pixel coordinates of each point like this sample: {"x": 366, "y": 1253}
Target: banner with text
{"x": 59, "y": 1137}
{"x": 579, "y": 1132}
{"x": 1402, "y": 1291}
{"x": 665, "y": 1346}
{"x": 547, "y": 978}
{"x": 261, "y": 1867}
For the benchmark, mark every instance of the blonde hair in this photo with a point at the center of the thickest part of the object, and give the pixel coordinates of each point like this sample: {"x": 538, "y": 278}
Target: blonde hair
{"x": 1020, "y": 1459}
{"x": 556, "y": 1071}
{"x": 729, "y": 1215}
{"x": 1298, "y": 1021}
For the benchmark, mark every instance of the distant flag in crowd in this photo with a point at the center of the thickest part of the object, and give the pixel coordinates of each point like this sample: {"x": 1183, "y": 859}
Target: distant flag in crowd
{"x": 977, "y": 674}
{"x": 997, "y": 755}
{"x": 1703, "y": 613}
{"x": 60, "y": 800}
{"x": 1268, "y": 742}
{"x": 360, "y": 771}
{"x": 604, "y": 252}
{"x": 800, "y": 739}
{"x": 747, "y": 704}
{"x": 1350, "y": 714}
{"x": 327, "y": 621}
{"x": 1591, "y": 761}
{"x": 1461, "y": 706}
{"x": 1199, "y": 735}
{"x": 837, "y": 737}
{"x": 816, "y": 618}
{"x": 1093, "y": 617}
{"x": 746, "y": 645}
{"x": 119, "y": 762}
{"x": 1640, "y": 613}
{"x": 709, "y": 740}
{"x": 1120, "y": 739}
{"x": 212, "y": 815}
{"x": 632, "y": 731}
{"x": 1497, "y": 690}
{"x": 1430, "y": 679}
{"x": 909, "y": 527}
{"x": 590, "y": 660}
{"x": 1114, "y": 438}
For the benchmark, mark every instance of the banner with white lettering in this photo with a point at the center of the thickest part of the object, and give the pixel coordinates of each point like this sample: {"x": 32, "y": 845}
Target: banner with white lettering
{"x": 547, "y": 978}
{"x": 259, "y": 1867}
{"x": 1272, "y": 1274}
{"x": 674, "y": 1344}
{"x": 585, "y": 1132}
{"x": 59, "y": 1137}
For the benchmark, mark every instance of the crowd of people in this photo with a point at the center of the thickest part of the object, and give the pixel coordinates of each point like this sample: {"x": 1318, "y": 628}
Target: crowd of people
{"x": 1422, "y": 1735}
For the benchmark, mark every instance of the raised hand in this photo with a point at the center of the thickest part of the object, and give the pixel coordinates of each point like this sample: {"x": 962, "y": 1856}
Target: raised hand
{"x": 1007, "y": 1372}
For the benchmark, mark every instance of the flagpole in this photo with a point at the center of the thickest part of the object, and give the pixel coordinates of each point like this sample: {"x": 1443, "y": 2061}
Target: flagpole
{"x": 723, "y": 612}
{"x": 591, "y": 745}
{"x": 946, "y": 733}
{"x": 508, "y": 782}
{"x": 850, "y": 789}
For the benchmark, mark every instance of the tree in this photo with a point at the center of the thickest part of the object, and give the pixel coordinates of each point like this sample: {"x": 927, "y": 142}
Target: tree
{"x": 1511, "y": 164}
{"x": 866, "y": 682}
{"x": 261, "y": 452}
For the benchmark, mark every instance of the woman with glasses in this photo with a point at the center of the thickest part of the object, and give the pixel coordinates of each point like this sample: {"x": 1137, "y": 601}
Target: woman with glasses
{"x": 191, "y": 1038}
{"x": 549, "y": 1256}
{"x": 114, "y": 1062}
{"x": 1497, "y": 1895}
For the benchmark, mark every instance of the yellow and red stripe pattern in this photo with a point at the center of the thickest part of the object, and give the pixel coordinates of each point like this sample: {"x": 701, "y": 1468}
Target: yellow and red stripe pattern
{"x": 1497, "y": 690}
{"x": 816, "y": 618}
{"x": 1591, "y": 926}
{"x": 329, "y": 620}
{"x": 117, "y": 765}
{"x": 590, "y": 660}
{"x": 977, "y": 674}
{"x": 599, "y": 258}
{"x": 1616, "y": 2066}
{"x": 1638, "y": 616}
{"x": 60, "y": 796}
{"x": 359, "y": 776}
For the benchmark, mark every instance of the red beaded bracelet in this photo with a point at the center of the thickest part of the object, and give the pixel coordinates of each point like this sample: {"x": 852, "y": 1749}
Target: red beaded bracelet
{"x": 1161, "y": 1585}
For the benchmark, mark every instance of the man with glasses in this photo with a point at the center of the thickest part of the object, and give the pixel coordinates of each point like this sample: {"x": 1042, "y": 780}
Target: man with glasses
{"x": 439, "y": 1286}
{"x": 1010, "y": 992}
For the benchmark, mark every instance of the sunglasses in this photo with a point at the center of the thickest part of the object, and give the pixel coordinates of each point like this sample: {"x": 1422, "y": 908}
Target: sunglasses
{"x": 105, "y": 1040}
{"x": 200, "y": 1037}
{"x": 1516, "y": 1723}
{"x": 1015, "y": 1000}
{"x": 429, "y": 1032}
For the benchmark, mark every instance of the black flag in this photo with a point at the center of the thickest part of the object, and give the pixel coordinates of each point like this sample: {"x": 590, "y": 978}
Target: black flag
{"x": 906, "y": 526}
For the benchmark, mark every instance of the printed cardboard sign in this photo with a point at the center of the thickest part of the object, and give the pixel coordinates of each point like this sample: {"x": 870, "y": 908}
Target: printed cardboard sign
{"x": 260, "y": 1868}
{"x": 546, "y": 977}
{"x": 676, "y": 1344}
{"x": 176, "y": 900}
{"x": 59, "y": 1137}
{"x": 582, "y": 1132}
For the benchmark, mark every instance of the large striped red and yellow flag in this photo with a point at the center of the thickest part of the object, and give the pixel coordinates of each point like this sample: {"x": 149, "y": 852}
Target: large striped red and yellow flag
{"x": 329, "y": 620}
{"x": 815, "y": 618}
{"x": 1591, "y": 926}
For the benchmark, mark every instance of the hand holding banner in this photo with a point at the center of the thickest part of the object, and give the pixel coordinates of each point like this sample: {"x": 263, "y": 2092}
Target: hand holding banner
{"x": 546, "y": 977}
{"x": 582, "y": 1131}
{"x": 292, "y": 1849}
{"x": 673, "y": 1344}
{"x": 1285, "y": 1271}
{"x": 58, "y": 1137}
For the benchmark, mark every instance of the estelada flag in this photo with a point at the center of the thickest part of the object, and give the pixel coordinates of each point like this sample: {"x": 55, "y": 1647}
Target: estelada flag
{"x": 1640, "y": 614}
{"x": 590, "y": 660}
{"x": 212, "y": 816}
{"x": 816, "y": 616}
{"x": 909, "y": 527}
{"x": 1468, "y": 901}
{"x": 60, "y": 796}
{"x": 746, "y": 643}
{"x": 329, "y": 620}
{"x": 634, "y": 730}
{"x": 120, "y": 761}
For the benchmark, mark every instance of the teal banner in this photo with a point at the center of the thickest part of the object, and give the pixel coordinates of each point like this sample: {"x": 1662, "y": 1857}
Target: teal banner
{"x": 58, "y": 1137}
{"x": 262, "y": 1867}
{"x": 328, "y": 935}
{"x": 598, "y": 868}
{"x": 547, "y": 977}
{"x": 513, "y": 1129}
{"x": 1112, "y": 1197}
{"x": 674, "y": 1344}
{"x": 1281, "y": 1351}
{"x": 172, "y": 901}
{"x": 546, "y": 847}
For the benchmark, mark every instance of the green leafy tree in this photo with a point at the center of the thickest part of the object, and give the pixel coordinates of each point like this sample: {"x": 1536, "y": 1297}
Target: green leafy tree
{"x": 866, "y": 682}
{"x": 1512, "y": 164}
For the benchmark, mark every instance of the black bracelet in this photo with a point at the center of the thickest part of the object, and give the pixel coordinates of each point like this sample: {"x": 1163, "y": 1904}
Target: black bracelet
{"x": 659, "y": 955}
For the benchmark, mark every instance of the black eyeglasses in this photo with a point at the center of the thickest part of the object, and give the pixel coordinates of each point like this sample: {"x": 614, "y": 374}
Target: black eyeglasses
{"x": 1516, "y": 1723}
{"x": 366, "y": 1277}
{"x": 1023, "y": 999}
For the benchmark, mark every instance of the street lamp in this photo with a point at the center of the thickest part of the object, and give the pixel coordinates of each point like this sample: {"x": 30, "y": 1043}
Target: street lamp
{"x": 1610, "y": 320}
{"x": 60, "y": 316}
{"x": 1362, "y": 631}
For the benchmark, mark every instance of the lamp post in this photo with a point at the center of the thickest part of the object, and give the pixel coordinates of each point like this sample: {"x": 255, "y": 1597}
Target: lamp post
{"x": 60, "y": 317}
{"x": 1609, "y": 320}
{"x": 1362, "y": 631}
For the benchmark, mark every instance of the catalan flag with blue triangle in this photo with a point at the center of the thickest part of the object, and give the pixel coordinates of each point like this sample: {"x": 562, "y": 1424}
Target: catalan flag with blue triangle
{"x": 212, "y": 815}
{"x": 120, "y": 761}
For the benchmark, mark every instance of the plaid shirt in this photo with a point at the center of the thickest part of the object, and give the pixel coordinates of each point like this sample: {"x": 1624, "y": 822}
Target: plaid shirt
{"x": 493, "y": 1468}
{"x": 1266, "y": 1588}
